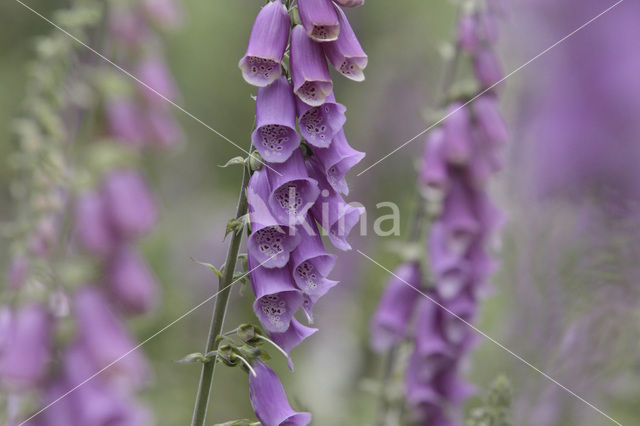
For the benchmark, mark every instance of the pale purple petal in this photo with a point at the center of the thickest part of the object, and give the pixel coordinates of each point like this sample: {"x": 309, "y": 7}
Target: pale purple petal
{"x": 275, "y": 136}
{"x": 331, "y": 211}
{"x": 318, "y": 125}
{"x": 131, "y": 209}
{"x": 309, "y": 71}
{"x": 269, "y": 400}
{"x": 337, "y": 160}
{"x": 434, "y": 175}
{"x": 293, "y": 192}
{"x": 270, "y": 241}
{"x": 154, "y": 72}
{"x": 92, "y": 227}
{"x": 106, "y": 339}
{"x": 345, "y": 53}
{"x": 261, "y": 63}
{"x": 457, "y": 135}
{"x": 319, "y": 19}
{"x": 26, "y": 353}
{"x": 130, "y": 281}
{"x": 391, "y": 320}
{"x": 310, "y": 262}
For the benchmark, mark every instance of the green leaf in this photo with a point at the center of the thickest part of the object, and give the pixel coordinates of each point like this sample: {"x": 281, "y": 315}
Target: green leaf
{"x": 234, "y": 162}
{"x": 193, "y": 358}
{"x": 210, "y": 266}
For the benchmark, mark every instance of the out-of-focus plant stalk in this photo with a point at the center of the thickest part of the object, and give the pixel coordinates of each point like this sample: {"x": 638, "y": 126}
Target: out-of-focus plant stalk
{"x": 220, "y": 310}
{"x": 420, "y": 221}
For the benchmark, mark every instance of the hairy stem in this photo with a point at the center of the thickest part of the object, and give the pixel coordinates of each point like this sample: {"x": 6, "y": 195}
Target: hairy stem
{"x": 217, "y": 320}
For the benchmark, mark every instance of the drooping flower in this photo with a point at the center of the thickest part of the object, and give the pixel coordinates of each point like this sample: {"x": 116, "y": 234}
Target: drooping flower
{"x": 391, "y": 321}
{"x": 293, "y": 192}
{"x": 92, "y": 227}
{"x": 457, "y": 135}
{"x": 166, "y": 13}
{"x": 434, "y": 174}
{"x": 287, "y": 259}
{"x": 275, "y": 135}
{"x": 261, "y": 63}
{"x": 271, "y": 241}
{"x": 277, "y": 297}
{"x": 488, "y": 70}
{"x": 131, "y": 210}
{"x": 153, "y": 70}
{"x": 458, "y": 159}
{"x": 309, "y": 71}
{"x": 345, "y": 53}
{"x": 130, "y": 281}
{"x": 269, "y": 400}
{"x": 319, "y": 125}
{"x": 96, "y": 401}
{"x": 310, "y": 262}
{"x": 335, "y": 215}
{"x": 337, "y": 160}
{"x": 106, "y": 339}
{"x": 25, "y": 354}
{"x": 319, "y": 19}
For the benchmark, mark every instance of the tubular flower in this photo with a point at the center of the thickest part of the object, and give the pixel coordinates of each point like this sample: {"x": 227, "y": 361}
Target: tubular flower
{"x": 270, "y": 242}
{"x": 107, "y": 219}
{"x": 391, "y": 321}
{"x": 131, "y": 210}
{"x": 309, "y": 71}
{"x": 345, "y": 53}
{"x": 269, "y": 400}
{"x": 458, "y": 159}
{"x": 319, "y": 125}
{"x": 275, "y": 136}
{"x": 298, "y": 188}
{"x": 319, "y": 19}
{"x": 25, "y": 353}
{"x": 130, "y": 281}
{"x": 261, "y": 65}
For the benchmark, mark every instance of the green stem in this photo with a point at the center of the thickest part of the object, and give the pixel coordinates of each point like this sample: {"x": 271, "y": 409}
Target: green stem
{"x": 217, "y": 320}
{"x": 385, "y": 381}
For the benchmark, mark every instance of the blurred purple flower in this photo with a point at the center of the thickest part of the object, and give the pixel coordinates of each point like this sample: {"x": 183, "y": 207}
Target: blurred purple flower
{"x": 18, "y": 271}
{"x": 131, "y": 209}
{"x": 92, "y": 227}
{"x": 391, "y": 320}
{"x": 167, "y": 13}
{"x": 130, "y": 281}
{"x": 106, "y": 339}
{"x": 25, "y": 353}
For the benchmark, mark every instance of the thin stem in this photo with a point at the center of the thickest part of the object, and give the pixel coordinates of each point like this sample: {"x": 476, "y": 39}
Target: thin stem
{"x": 387, "y": 374}
{"x": 217, "y": 320}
